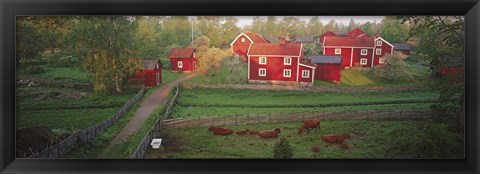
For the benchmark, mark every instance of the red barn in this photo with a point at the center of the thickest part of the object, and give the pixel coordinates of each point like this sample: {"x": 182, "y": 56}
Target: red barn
{"x": 241, "y": 44}
{"x": 151, "y": 74}
{"x": 183, "y": 59}
{"x": 357, "y": 48}
{"x": 279, "y": 63}
{"x": 327, "y": 67}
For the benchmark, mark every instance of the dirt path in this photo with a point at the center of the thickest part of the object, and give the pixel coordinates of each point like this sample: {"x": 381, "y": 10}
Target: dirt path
{"x": 148, "y": 105}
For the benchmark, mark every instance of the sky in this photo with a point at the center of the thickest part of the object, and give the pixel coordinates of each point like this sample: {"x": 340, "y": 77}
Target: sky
{"x": 247, "y": 20}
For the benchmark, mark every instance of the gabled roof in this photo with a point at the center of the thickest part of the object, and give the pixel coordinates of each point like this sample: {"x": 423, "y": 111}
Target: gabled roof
{"x": 287, "y": 49}
{"x": 325, "y": 59}
{"x": 255, "y": 37}
{"x": 364, "y": 41}
{"x": 150, "y": 64}
{"x": 181, "y": 53}
{"x": 401, "y": 46}
{"x": 304, "y": 39}
{"x": 272, "y": 39}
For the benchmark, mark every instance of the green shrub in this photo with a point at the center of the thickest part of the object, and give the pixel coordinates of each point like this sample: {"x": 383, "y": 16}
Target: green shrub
{"x": 393, "y": 69}
{"x": 65, "y": 61}
{"x": 445, "y": 113}
{"x": 428, "y": 140}
{"x": 282, "y": 149}
{"x": 35, "y": 70}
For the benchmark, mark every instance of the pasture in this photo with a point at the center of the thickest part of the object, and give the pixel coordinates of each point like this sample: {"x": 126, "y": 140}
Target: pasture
{"x": 198, "y": 102}
{"x": 368, "y": 139}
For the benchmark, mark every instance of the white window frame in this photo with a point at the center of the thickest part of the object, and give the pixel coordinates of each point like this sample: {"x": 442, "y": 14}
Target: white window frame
{"x": 260, "y": 72}
{"x": 260, "y": 60}
{"x": 338, "y": 51}
{"x": 378, "y": 51}
{"x": 157, "y": 66}
{"x": 363, "y": 60}
{"x": 180, "y": 64}
{"x": 381, "y": 60}
{"x": 363, "y": 52}
{"x": 243, "y": 39}
{"x": 305, "y": 74}
{"x": 287, "y": 60}
{"x": 379, "y": 43}
{"x": 289, "y": 72}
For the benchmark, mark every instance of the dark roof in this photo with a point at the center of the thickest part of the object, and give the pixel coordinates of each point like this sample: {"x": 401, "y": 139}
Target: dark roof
{"x": 304, "y": 39}
{"x": 344, "y": 33}
{"x": 288, "y": 49}
{"x": 272, "y": 39}
{"x": 325, "y": 59}
{"x": 150, "y": 64}
{"x": 181, "y": 53}
{"x": 401, "y": 46}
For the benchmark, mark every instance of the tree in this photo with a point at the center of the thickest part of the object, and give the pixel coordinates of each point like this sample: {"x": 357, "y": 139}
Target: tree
{"x": 211, "y": 27}
{"x": 230, "y": 30}
{"x": 30, "y": 40}
{"x": 147, "y": 36}
{"x": 393, "y": 30}
{"x": 282, "y": 149}
{"x": 442, "y": 41}
{"x": 314, "y": 27}
{"x": 393, "y": 69}
{"x": 259, "y": 25}
{"x": 271, "y": 27}
{"x": 351, "y": 25}
{"x": 105, "y": 44}
{"x": 236, "y": 68}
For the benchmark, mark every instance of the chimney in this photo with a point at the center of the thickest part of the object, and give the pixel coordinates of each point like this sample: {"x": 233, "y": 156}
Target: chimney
{"x": 282, "y": 40}
{"x": 377, "y": 35}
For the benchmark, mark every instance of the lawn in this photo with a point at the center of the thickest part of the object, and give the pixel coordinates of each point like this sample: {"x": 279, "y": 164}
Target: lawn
{"x": 220, "y": 78}
{"x": 368, "y": 139}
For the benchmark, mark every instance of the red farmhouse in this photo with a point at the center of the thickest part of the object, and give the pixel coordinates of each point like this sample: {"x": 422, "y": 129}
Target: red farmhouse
{"x": 279, "y": 63}
{"x": 151, "y": 73}
{"x": 327, "y": 67}
{"x": 183, "y": 59}
{"x": 241, "y": 44}
{"x": 357, "y": 48}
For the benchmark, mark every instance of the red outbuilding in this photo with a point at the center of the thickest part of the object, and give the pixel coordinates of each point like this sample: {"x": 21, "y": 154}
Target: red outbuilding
{"x": 183, "y": 59}
{"x": 279, "y": 63}
{"x": 241, "y": 43}
{"x": 402, "y": 47}
{"x": 327, "y": 67}
{"x": 150, "y": 75}
{"x": 357, "y": 48}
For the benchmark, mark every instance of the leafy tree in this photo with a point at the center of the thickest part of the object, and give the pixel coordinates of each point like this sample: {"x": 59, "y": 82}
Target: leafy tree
{"x": 351, "y": 25}
{"x": 442, "y": 41}
{"x": 236, "y": 68}
{"x": 210, "y": 60}
{"x": 175, "y": 30}
{"x": 393, "y": 30}
{"x": 393, "y": 69}
{"x": 105, "y": 43}
{"x": 259, "y": 25}
{"x": 282, "y": 149}
{"x": 314, "y": 27}
{"x": 271, "y": 27}
{"x": 30, "y": 40}
{"x": 148, "y": 38}
{"x": 230, "y": 30}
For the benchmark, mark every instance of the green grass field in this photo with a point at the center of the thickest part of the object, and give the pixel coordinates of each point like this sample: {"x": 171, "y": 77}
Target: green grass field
{"x": 220, "y": 78}
{"x": 368, "y": 139}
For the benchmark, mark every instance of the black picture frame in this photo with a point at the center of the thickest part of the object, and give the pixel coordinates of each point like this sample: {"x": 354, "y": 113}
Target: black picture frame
{"x": 10, "y": 9}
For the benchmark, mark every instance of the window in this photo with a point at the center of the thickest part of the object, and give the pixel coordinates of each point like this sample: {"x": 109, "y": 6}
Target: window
{"x": 378, "y": 51}
{"x": 338, "y": 51}
{"x": 305, "y": 73}
{"x": 157, "y": 66}
{"x": 379, "y": 43}
{"x": 262, "y": 72}
{"x": 263, "y": 60}
{"x": 287, "y": 61}
{"x": 364, "y": 52}
{"x": 381, "y": 60}
{"x": 287, "y": 73}
{"x": 363, "y": 61}
{"x": 180, "y": 64}
{"x": 243, "y": 39}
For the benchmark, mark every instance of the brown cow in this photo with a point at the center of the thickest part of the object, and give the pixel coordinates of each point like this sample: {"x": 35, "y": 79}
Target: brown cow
{"x": 220, "y": 131}
{"x": 252, "y": 132}
{"x": 334, "y": 138}
{"x": 313, "y": 123}
{"x": 242, "y": 132}
{"x": 269, "y": 133}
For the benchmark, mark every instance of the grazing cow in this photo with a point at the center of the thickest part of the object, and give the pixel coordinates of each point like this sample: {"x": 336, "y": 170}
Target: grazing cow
{"x": 313, "y": 123}
{"x": 269, "y": 133}
{"x": 220, "y": 131}
{"x": 316, "y": 149}
{"x": 252, "y": 132}
{"x": 344, "y": 146}
{"x": 334, "y": 138}
{"x": 242, "y": 132}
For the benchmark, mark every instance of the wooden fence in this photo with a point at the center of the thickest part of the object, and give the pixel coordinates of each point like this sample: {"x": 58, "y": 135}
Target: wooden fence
{"x": 288, "y": 117}
{"x": 69, "y": 143}
{"x": 145, "y": 143}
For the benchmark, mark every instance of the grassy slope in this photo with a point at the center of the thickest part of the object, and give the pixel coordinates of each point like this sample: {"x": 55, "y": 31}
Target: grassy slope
{"x": 366, "y": 141}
